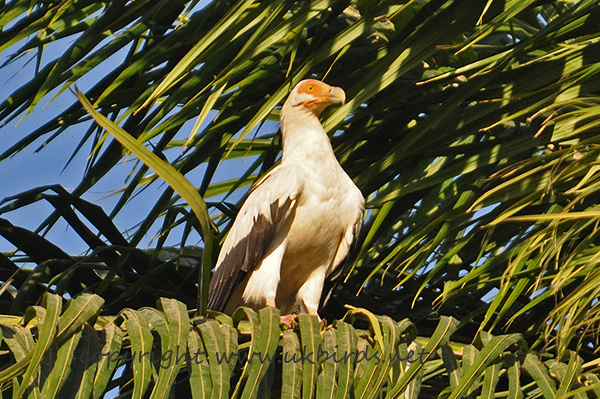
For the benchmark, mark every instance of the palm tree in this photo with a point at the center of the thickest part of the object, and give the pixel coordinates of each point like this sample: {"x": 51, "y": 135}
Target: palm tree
{"x": 471, "y": 127}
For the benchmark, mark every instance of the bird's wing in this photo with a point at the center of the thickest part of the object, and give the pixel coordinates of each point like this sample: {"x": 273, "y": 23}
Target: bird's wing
{"x": 271, "y": 202}
{"x": 343, "y": 257}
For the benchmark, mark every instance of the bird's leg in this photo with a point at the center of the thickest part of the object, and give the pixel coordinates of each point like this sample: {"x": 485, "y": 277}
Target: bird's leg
{"x": 309, "y": 294}
{"x": 288, "y": 320}
{"x": 321, "y": 321}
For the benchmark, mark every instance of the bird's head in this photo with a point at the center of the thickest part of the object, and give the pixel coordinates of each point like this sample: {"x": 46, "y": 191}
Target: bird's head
{"x": 315, "y": 96}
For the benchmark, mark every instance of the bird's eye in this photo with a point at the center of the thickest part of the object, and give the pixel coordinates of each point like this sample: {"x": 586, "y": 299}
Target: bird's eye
{"x": 310, "y": 88}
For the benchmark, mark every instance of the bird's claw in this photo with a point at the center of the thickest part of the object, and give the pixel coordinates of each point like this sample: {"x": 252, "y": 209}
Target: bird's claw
{"x": 289, "y": 321}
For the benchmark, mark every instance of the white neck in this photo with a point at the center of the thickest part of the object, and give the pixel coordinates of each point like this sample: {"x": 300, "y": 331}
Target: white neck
{"x": 303, "y": 137}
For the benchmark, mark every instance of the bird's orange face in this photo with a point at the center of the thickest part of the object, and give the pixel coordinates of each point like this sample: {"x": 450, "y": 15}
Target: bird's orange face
{"x": 318, "y": 95}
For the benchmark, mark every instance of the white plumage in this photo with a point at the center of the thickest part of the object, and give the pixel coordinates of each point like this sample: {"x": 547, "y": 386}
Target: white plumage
{"x": 294, "y": 232}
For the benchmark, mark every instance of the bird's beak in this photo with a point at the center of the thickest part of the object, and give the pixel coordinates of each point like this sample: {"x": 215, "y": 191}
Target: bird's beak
{"x": 337, "y": 96}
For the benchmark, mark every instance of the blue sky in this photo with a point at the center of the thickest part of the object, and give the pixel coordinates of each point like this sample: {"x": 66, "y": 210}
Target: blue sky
{"x": 31, "y": 168}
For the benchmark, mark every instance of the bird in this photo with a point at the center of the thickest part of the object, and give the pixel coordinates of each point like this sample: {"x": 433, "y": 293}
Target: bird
{"x": 294, "y": 234}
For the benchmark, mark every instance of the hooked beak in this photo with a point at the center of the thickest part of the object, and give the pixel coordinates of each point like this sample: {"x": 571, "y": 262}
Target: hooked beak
{"x": 336, "y": 96}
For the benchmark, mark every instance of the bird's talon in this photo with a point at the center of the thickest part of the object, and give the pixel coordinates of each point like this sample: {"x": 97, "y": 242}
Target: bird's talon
{"x": 289, "y": 321}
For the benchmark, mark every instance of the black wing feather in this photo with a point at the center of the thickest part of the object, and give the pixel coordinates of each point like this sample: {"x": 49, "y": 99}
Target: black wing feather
{"x": 268, "y": 206}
